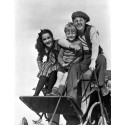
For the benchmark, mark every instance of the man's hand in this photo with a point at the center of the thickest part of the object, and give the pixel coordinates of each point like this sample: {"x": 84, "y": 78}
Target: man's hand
{"x": 92, "y": 65}
{"x": 65, "y": 64}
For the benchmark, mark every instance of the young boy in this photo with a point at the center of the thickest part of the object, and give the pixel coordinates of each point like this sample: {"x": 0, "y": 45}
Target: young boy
{"x": 66, "y": 57}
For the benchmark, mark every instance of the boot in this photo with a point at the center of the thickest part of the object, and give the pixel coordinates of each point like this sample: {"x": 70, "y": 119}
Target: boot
{"x": 104, "y": 90}
{"x": 45, "y": 91}
{"x": 54, "y": 91}
{"x": 61, "y": 89}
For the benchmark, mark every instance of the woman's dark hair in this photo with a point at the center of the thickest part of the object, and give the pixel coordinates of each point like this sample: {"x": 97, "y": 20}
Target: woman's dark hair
{"x": 40, "y": 46}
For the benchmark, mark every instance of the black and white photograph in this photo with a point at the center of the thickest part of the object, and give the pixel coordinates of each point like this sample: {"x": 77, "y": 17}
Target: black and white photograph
{"x": 62, "y": 62}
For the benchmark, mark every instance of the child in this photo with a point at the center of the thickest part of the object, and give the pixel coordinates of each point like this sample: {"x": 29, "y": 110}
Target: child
{"x": 47, "y": 47}
{"x": 65, "y": 58}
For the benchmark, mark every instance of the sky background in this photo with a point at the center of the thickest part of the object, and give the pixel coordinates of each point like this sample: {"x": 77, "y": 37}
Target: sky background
{"x": 33, "y": 15}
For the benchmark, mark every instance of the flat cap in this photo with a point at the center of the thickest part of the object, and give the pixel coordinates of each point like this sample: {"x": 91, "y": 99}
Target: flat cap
{"x": 80, "y": 14}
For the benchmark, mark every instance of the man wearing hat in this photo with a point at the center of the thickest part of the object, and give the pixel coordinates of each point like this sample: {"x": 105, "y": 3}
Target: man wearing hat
{"x": 93, "y": 54}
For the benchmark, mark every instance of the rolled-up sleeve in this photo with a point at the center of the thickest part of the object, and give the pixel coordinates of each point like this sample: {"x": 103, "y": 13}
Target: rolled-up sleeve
{"x": 64, "y": 43}
{"x": 94, "y": 38}
{"x": 60, "y": 57}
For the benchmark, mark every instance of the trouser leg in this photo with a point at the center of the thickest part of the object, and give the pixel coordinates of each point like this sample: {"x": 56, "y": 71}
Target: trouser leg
{"x": 62, "y": 84}
{"x": 75, "y": 74}
{"x": 61, "y": 89}
{"x": 72, "y": 80}
{"x": 100, "y": 69}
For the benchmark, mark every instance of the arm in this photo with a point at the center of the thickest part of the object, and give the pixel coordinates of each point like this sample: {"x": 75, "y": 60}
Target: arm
{"x": 60, "y": 57}
{"x": 79, "y": 53}
{"x": 94, "y": 37}
{"x": 39, "y": 61}
{"x": 65, "y": 43}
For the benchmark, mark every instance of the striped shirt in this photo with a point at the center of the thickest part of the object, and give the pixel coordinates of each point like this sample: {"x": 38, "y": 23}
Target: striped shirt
{"x": 94, "y": 38}
{"x": 66, "y": 55}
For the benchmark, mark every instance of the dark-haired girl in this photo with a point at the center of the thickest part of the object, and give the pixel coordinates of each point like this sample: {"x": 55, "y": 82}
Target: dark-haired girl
{"x": 46, "y": 47}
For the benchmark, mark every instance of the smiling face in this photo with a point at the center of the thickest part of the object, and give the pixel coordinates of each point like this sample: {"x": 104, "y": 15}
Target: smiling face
{"x": 79, "y": 23}
{"x": 71, "y": 33}
{"x": 47, "y": 39}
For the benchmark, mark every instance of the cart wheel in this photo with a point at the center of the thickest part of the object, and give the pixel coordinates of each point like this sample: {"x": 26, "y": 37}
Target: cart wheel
{"x": 100, "y": 122}
{"x": 94, "y": 115}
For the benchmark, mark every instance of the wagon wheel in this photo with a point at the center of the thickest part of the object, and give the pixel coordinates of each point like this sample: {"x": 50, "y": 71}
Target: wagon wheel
{"x": 94, "y": 115}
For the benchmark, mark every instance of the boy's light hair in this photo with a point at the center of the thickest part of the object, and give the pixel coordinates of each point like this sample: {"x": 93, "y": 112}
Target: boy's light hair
{"x": 68, "y": 26}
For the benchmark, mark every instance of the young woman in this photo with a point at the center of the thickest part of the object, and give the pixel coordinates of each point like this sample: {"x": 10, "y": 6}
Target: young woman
{"x": 46, "y": 47}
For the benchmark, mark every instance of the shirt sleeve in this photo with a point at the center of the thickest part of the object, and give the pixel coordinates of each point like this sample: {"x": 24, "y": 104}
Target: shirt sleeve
{"x": 94, "y": 38}
{"x": 64, "y": 43}
{"x": 39, "y": 62}
{"x": 60, "y": 57}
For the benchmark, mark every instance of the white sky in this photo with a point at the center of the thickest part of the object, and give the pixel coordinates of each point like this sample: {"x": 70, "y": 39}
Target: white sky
{"x": 32, "y": 15}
